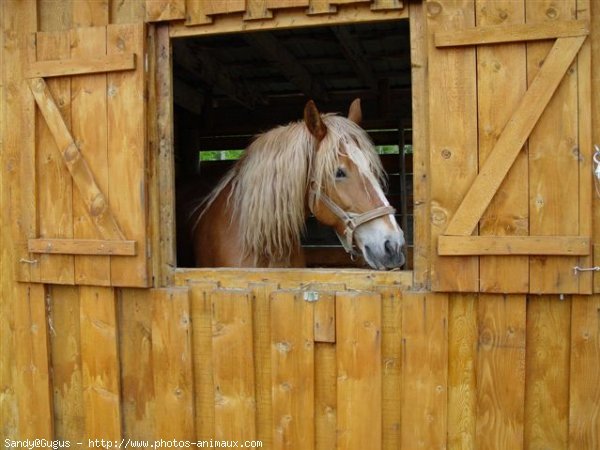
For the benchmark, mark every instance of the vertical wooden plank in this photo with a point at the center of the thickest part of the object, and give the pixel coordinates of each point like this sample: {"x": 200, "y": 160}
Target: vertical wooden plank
{"x": 16, "y": 18}
{"x": 584, "y": 391}
{"x": 164, "y": 160}
{"x": 233, "y": 365}
{"x": 135, "y": 352}
{"x": 359, "y": 388}
{"x": 547, "y": 376}
{"x": 325, "y": 396}
{"x": 391, "y": 371}
{"x": 90, "y": 13}
{"x": 453, "y": 137}
{"x": 18, "y": 155}
{"x": 595, "y": 40}
{"x": 553, "y": 161}
{"x": 64, "y": 325}
{"x": 324, "y": 313}
{"x": 425, "y": 369}
{"x": 462, "y": 371}
{"x": 501, "y": 372}
{"x": 55, "y": 185}
{"x": 292, "y": 362}
{"x": 501, "y": 83}
{"x": 89, "y": 129}
{"x": 127, "y": 153}
{"x": 54, "y": 16}
{"x": 204, "y": 397}
{"x": 585, "y": 145}
{"x": 100, "y": 363}
{"x": 421, "y": 165}
{"x": 261, "y": 317}
{"x": 172, "y": 365}
{"x": 33, "y": 386}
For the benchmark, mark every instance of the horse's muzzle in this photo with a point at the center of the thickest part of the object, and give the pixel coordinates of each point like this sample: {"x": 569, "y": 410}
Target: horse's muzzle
{"x": 385, "y": 256}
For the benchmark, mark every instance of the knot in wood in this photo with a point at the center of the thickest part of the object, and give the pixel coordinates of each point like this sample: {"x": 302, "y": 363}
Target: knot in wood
{"x": 552, "y": 13}
{"x": 71, "y": 152}
{"x": 438, "y": 216}
{"x": 98, "y": 205}
{"x": 433, "y": 8}
{"x": 446, "y": 154}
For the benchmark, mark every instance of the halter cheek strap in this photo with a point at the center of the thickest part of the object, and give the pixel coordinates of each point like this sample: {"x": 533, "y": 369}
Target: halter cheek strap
{"x": 351, "y": 222}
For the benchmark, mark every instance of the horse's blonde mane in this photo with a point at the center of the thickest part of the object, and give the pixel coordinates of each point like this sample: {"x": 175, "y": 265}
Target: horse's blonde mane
{"x": 269, "y": 183}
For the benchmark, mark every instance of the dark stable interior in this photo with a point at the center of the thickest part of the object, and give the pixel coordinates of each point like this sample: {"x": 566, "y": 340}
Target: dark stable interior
{"x": 228, "y": 88}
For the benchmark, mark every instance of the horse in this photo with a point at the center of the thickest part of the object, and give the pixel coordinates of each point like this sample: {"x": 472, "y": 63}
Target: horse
{"x": 324, "y": 164}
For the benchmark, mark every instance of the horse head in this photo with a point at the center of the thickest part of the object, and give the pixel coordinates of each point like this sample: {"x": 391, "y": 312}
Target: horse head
{"x": 345, "y": 190}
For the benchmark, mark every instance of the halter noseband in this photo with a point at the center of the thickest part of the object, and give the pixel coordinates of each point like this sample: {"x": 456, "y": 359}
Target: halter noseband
{"x": 351, "y": 223}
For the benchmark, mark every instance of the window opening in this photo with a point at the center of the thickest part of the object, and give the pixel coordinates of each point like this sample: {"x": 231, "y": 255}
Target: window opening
{"x": 229, "y": 88}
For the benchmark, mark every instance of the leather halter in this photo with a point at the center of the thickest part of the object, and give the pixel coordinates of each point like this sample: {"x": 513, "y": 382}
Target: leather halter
{"x": 351, "y": 222}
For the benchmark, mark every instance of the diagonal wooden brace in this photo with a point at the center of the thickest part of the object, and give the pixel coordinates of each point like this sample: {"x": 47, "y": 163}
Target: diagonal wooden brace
{"x": 95, "y": 201}
{"x": 514, "y": 135}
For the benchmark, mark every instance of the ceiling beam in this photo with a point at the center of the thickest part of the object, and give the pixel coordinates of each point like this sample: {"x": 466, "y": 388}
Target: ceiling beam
{"x": 203, "y": 65}
{"x": 355, "y": 56}
{"x": 292, "y": 69}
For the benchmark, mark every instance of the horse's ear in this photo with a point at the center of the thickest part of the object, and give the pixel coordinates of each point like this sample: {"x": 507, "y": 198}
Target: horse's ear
{"x": 355, "y": 113}
{"x": 313, "y": 121}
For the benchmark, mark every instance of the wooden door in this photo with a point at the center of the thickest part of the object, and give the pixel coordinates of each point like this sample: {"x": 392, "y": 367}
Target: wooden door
{"x": 84, "y": 179}
{"x": 510, "y": 146}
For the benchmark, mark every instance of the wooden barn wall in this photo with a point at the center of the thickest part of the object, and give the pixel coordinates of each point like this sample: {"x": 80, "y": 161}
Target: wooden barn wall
{"x": 401, "y": 370}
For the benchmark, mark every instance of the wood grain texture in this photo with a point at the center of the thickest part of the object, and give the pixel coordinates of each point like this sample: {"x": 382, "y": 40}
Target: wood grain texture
{"x": 33, "y": 384}
{"x": 296, "y": 279}
{"x": 501, "y": 72}
{"x": 453, "y": 103}
{"x": 359, "y": 383}
{"x": 547, "y": 376}
{"x": 462, "y": 371}
{"x": 162, "y": 10}
{"x": 595, "y": 100}
{"x": 501, "y": 371}
{"x": 489, "y": 33}
{"x": 204, "y": 391}
{"x": 325, "y": 396}
{"x": 90, "y": 13}
{"x": 17, "y": 140}
{"x": 525, "y": 117}
{"x": 80, "y": 66}
{"x": 83, "y": 178}
{"x": 54, "y": 183}
{"x": 172, "y": 365}
{"x": 261, "y": 316}
{"x": 584, "y": 392}
{"x": 553, "y": 155}
{"x": 82, "y": 247}
{"x": 90, "y": 131}
{"x": 100, "y": 365}
{"x": 391, "y": 367}
{"x": 292, "y": 365}
{"x": 137, "y": 367}
{"x": 233, "y": 365}
{"x": 513, "y": 246}
{"x": 421, "y": 163}
{"x": 424, "y": 374}
{"x": 585, "y": 145}
{"x": 127, "y": 154}
{"x": 65, "y": 344}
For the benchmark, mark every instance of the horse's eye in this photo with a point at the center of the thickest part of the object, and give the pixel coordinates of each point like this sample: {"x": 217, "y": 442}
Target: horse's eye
{"x": 340, "y": 173}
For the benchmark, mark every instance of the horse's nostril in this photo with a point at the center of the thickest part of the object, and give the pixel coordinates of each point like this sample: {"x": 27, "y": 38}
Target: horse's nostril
{"x": 389, "y": 248}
